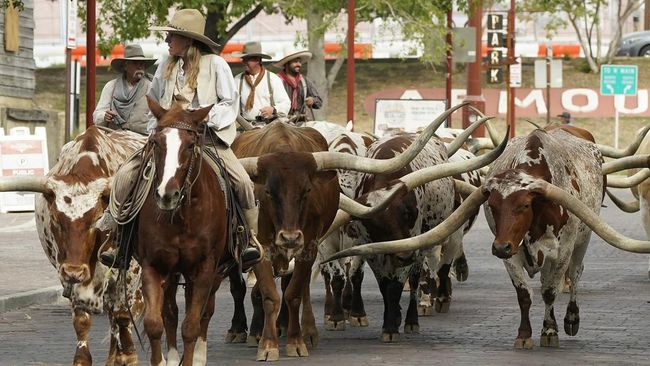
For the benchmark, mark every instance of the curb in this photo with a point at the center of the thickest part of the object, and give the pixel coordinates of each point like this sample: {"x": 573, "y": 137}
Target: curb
{"x": 47, "y": 295}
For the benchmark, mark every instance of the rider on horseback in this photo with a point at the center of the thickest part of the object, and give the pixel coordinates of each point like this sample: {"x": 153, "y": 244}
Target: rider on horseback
{"x": 194, "y": 76}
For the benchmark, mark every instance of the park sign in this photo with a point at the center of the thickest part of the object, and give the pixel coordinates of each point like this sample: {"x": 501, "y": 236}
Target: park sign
{"x": 618, "y": 79}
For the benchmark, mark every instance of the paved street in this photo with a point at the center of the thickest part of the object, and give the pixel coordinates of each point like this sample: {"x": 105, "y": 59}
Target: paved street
{"x": 479, "y": 329}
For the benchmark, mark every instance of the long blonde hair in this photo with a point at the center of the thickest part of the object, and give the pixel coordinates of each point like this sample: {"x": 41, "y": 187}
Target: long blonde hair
{"x": 193, "y": 59}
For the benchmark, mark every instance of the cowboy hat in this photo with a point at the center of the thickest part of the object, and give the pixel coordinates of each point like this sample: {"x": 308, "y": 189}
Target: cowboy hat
{"x": 251, "y": 49}
{"x": 292, "y": 54}
{"x": 189, "y": 23}
{"x": 132, "y": 52}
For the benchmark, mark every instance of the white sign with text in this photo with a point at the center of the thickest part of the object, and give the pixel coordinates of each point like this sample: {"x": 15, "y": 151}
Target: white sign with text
{"x": 406, "y": 115}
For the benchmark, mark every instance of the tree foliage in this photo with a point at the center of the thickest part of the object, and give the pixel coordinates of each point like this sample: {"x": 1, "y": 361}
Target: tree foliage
{"x": 125, "y": 20}
{"x": 584, "y": 16}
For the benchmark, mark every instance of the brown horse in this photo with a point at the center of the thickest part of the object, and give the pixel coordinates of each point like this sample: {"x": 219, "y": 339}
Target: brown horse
{"x": 182, "y": 229}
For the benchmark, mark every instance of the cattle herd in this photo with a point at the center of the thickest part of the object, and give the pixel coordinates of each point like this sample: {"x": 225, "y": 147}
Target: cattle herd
{"x": 330, "y": 201}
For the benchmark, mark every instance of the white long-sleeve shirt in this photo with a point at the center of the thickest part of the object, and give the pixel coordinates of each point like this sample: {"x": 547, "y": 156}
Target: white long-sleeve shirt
{"x": 223, "y": 113}
{"x": 263, "y": 96}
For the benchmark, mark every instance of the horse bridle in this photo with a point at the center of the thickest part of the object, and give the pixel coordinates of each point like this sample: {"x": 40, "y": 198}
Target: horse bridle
{"x": 199, "y": 140}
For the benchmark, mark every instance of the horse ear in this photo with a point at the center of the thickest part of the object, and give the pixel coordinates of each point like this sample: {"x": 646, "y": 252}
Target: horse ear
{"x": 155, "y": 108}
{"x": 200, "y": 114}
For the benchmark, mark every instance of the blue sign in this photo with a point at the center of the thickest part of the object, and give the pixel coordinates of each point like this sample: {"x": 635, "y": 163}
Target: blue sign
{"x": 618, "y": 79}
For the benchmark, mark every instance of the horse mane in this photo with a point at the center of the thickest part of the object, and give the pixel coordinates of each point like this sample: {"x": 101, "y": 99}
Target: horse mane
{"x": 175, "y": 114}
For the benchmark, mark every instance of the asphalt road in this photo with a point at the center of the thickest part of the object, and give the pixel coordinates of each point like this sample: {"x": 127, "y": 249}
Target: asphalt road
{"x": 478, "y": 330}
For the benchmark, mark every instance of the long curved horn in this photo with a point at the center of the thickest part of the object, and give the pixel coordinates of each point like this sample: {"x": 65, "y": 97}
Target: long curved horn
{"x": 341, "y": 219}
{"x": 600, "y": 227}
{"x": 423, "y": 176}
{"x": 357, "y": 209}
{"x": 631, "y": 149}
{"x": 24, "y": 183}
{"x": 627, "y": 182}
{"x": 629, "y": 162}
{"x": 418, "y": 178}
{"x": 460, "y": 140}
{"x": 477, "y": 144}
{"x": 429, "y": 239}
{"x": 492, "y": 132}
{"x": 629, "y": 207}
{"x": 333, "y": 160}
{"x": 534, "y": 124}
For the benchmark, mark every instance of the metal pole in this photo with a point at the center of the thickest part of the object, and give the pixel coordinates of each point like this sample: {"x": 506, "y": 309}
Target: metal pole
{"x": 450, "y": 62}
{"x": 90, "y": 62}
{"x": 474, "y": 95}
{"x": 350, "y": 62}
{"x": 549, "y": 55}
{"x": 511, "y": 59}
{"x": 68, "y": 92}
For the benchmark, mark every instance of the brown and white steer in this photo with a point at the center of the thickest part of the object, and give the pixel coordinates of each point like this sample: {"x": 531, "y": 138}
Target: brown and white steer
{"x": 75, "y": 193}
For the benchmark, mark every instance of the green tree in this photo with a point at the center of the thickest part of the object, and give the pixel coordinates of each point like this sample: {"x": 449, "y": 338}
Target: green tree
{"x": 125, "y": 20}
{"x": 420, "y": 21}
{"x": 584, "y": 16}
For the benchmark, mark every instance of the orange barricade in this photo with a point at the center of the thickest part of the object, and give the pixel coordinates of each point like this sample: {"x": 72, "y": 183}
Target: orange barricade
{"x": 79, "y": 54}
{"x": 231, "y": 48}
{"x": 560, "y": 50}
{"x": 361, "y": 50}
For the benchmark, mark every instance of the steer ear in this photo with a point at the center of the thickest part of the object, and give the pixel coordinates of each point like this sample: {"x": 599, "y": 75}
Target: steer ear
{"x": 155, "y": 108}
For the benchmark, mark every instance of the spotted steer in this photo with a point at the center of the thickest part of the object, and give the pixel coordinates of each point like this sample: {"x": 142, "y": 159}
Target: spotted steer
{"x": 75, "y": 193}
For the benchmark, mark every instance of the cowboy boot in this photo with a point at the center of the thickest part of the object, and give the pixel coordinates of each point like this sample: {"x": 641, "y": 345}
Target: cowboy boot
{"x": 124, "y": 252}
{"x": 254, "y": 253}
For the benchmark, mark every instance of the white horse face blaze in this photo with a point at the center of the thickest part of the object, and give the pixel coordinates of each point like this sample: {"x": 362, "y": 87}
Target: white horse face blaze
{"x": 173, "y": 145}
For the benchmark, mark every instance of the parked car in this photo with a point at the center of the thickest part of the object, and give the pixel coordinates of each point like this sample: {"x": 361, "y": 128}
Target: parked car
{"x": 635, "y": 44}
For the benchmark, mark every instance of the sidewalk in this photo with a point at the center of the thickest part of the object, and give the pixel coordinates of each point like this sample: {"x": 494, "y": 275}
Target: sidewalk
{"x": 26, "y": 275}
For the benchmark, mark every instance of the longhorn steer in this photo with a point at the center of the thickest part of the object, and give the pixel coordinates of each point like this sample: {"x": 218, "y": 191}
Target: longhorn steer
{"x": 75, "y": 193}
{"x": 298, "y": 192}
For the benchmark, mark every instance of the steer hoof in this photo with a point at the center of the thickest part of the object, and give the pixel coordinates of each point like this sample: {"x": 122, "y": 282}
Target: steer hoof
{"x": 571, "y": 327}
{"x": 442, "y": 305}
{"x": 268, "y": 354}
{"x": 521, "y": 343}
{"x": 253, "y": 340}
{"x": 127, "y": 359}
{"x": 549, "y": 340}
{"x": 335, "y": 325}
{"x": 461, "y": 269}
{"x": 236, "y": 337}
{"x": 358, "y": 321}
{"x": 425, "y": 310}
{"x": 411, "y": 328}
{"x": 310, "y": 336}
{"x": 297, "y": 350}
{"x": 390, "y": 337}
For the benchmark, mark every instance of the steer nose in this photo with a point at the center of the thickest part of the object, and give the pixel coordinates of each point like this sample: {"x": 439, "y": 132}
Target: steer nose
{"x": 73, "y": 273}
{"x": 289, "y": 238}
{"x": 502, "y": 250}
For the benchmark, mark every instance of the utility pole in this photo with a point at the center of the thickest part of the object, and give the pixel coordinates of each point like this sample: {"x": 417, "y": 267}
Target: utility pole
{"x": 350, "y": 62}
{"x": 450, "y": 62}
{"x": 474, "y": 95}
{"x": 510, "y": 44}
{"x": 90, "y": 62}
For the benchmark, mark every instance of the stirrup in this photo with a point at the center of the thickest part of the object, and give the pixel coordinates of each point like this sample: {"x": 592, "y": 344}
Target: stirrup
{"x": 109, "y": 259}
{"x": 253, "y": 254}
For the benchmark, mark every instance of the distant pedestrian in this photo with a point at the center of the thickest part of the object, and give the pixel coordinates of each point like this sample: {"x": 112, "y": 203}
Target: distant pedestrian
{"x": 565, "y": 118}
{"x": 302, "y": 91}
{"x": 122, "y": 104}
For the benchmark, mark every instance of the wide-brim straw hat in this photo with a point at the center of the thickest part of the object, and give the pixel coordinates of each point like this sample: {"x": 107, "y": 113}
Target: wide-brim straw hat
{"x": 251, "y": 49}
{"x": 132, "y": 52}
{"x": 189, "y": 23}
{"x": 292, "y": 54}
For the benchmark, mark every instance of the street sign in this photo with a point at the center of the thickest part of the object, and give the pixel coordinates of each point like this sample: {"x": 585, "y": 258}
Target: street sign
{"x": 495, "y": 75}
{"x": 494, "y": 57}
{"x": 494, "y": 21}
{"x": 496, "y": 39}
{"x": 515, "y": 74}
{"x": 556, "y": 73}
{"x": 71, "y": 24}
{"x": 618, "y": 79}
{"x": 464, "y": 44}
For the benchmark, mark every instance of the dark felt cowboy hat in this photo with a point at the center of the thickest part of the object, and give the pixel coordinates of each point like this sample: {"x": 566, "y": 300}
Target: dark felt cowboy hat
{"x": 132, "y": 52}
{"x": 292, "y": 54}
{"x": 189, "y": 23}
{"x": 251, "y": 49}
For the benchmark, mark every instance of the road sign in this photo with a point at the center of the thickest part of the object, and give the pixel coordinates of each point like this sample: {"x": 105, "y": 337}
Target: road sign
{"x": 494, "y": 21}
{"x": 618, "y": 79}
{"x": 556, "y": 73}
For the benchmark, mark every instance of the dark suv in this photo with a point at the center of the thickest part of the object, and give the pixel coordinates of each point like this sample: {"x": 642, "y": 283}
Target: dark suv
{"x": 635, "y": 44}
